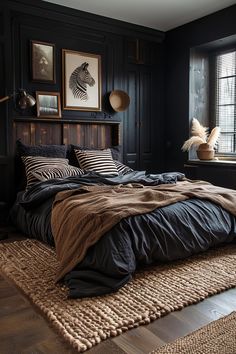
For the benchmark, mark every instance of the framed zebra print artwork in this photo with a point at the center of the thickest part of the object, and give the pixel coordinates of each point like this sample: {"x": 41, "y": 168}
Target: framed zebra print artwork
{"x": 81, "y": 81}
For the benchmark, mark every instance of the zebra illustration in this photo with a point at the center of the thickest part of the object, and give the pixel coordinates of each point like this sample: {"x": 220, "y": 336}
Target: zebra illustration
{"x": 79, "y": 80}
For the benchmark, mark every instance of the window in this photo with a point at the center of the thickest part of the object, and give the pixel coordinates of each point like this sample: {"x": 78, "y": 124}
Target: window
{"x": 225, "y": 101}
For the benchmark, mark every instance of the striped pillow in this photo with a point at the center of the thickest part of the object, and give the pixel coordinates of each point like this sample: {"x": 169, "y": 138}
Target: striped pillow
{"x": 99, "y": 161}
{"x": 34, "y": 163}
{"x": 122, "y": 169}
{"x": 57, "y": 172}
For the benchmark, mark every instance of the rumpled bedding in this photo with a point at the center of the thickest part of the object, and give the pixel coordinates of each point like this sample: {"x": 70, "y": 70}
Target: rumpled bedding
{"x": 167, "y": 233}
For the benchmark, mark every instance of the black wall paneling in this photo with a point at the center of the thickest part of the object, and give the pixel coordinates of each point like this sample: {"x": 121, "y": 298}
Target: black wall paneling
{"x": 140, "y": 51}
{"x": 3, "y": 126}
{"x": 65, "y": 15}
{"x": 138, "y": 137}
{"x": 143, "y": 120}
{"x": 6, "y": 176}
{"x": 3, "y": 85}
{"x": 1, "y": 21}
{"x": 186, "y": 77}
{"x": 223, "y": 175}
{"x": 27, "y": 20}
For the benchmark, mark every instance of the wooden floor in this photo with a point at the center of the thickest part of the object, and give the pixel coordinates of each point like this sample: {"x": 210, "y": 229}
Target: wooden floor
{"x": 24, "y": 330}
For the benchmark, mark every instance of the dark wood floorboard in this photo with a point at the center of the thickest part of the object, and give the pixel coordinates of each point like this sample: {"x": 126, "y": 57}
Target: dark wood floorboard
{"x": 23, "y": 330}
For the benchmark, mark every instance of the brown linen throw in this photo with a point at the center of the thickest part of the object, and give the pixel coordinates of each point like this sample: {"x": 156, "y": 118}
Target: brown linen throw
{"x": 80, "y": 217}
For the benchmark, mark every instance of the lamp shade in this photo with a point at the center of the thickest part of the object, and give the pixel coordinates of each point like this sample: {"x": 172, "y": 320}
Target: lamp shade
{"x": 25, "y": 100}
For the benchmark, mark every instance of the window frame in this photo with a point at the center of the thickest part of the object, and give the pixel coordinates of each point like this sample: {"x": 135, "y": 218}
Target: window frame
{"x": 213, "y": 95}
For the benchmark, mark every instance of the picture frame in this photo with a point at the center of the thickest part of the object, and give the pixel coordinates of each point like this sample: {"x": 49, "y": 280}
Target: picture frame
{"x": 43, "y": 67}
{"x": 81, "y": 73}
{"x": 48, "y": 104}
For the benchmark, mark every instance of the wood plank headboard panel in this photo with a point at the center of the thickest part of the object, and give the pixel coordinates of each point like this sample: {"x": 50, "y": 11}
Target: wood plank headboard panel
{"x": 90, "y": 135}
{"x": 87, "y": 134}
{"x": 32, "y": 133}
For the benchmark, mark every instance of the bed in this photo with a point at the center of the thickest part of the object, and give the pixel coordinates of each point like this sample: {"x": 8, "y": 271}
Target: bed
{"x": 108, "y": 221}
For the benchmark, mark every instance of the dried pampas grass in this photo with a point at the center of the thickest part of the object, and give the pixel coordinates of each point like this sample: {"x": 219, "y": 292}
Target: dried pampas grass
{"x": 193, "y": 141}
{"x": 200, "y": 136}
{"x": 214, "y": 136}
{"x": 199, "y": 130}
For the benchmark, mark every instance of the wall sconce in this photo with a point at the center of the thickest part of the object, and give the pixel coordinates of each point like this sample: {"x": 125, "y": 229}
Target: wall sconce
{"x": 23, "y": 100}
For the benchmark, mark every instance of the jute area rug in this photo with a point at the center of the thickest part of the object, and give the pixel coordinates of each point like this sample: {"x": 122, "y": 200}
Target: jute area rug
{"x": 218, "y": 337}
{"x": 152, "y": 293}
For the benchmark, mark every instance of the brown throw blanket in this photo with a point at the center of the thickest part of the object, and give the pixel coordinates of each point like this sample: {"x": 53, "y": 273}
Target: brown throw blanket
{"x": 80, "y": 217}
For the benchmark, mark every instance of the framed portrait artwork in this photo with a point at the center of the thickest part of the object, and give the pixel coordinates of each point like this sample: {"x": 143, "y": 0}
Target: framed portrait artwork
{"x": 48, "y": 104}
{"x": 81, "y": 81}
{"x": 43, "y": 62}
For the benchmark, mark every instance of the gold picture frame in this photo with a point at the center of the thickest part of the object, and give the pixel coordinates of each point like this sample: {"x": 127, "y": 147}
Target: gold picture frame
{"x": 81, "y": 81}
{"x": 48, "y": 104}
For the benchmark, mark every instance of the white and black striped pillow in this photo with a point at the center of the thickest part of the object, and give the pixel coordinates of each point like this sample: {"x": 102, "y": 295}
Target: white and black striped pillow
{"x": 35, "y": 163}
{"x": 99, "y": 161}
{"x": 122, "y": 169}
{"x": 57, "y": 172}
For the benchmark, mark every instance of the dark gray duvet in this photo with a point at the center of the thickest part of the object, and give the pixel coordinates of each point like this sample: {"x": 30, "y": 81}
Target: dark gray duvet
{"x": 168, "y": 233}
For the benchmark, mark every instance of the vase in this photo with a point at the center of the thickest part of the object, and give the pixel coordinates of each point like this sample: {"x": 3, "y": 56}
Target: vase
{"x": 205, "y": 152}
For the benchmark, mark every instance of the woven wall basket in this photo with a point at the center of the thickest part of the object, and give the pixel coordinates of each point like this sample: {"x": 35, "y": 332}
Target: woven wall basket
{"x": 119, "y": 100}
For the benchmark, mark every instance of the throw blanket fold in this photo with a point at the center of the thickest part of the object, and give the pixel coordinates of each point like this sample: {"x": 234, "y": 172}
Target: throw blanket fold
{"x": 80, "y": 217}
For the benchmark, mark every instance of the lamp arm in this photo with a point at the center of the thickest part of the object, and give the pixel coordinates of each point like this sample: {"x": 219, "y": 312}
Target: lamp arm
{"x": 4, "y": 98}
{"x": 24, "y": 100}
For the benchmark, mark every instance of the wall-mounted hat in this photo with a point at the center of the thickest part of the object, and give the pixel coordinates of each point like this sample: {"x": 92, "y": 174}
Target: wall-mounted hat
{"x": 119, "y": 100}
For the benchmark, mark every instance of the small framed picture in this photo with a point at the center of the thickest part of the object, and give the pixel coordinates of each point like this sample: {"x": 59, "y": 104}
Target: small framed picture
{"x": 43, "y": 62}
{"x": 48, "y": 104}
{"x": 81, "y": 81}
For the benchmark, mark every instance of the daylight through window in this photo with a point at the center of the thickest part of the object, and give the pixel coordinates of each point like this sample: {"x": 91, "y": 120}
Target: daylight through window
{"x": 226, "y": 101}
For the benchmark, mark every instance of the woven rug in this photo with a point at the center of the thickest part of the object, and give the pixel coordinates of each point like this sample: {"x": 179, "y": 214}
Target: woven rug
{"x": 152, "y": 293}
{"x": 218, "y": 337}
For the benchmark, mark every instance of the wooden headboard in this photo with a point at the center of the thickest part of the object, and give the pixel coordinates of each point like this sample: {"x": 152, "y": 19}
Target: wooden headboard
{"x": 92, "y": 134}
{"x": 34, "y": 131}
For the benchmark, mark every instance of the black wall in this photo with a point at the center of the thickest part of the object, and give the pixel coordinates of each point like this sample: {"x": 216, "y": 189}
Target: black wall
{"x": 24, "y": 20}
{"x": 178, "y": 43}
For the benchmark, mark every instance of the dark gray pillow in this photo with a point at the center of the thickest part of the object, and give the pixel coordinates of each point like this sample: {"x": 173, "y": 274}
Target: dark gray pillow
{"x": 40, "y": 150}
{"x": 116, "y": 152}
